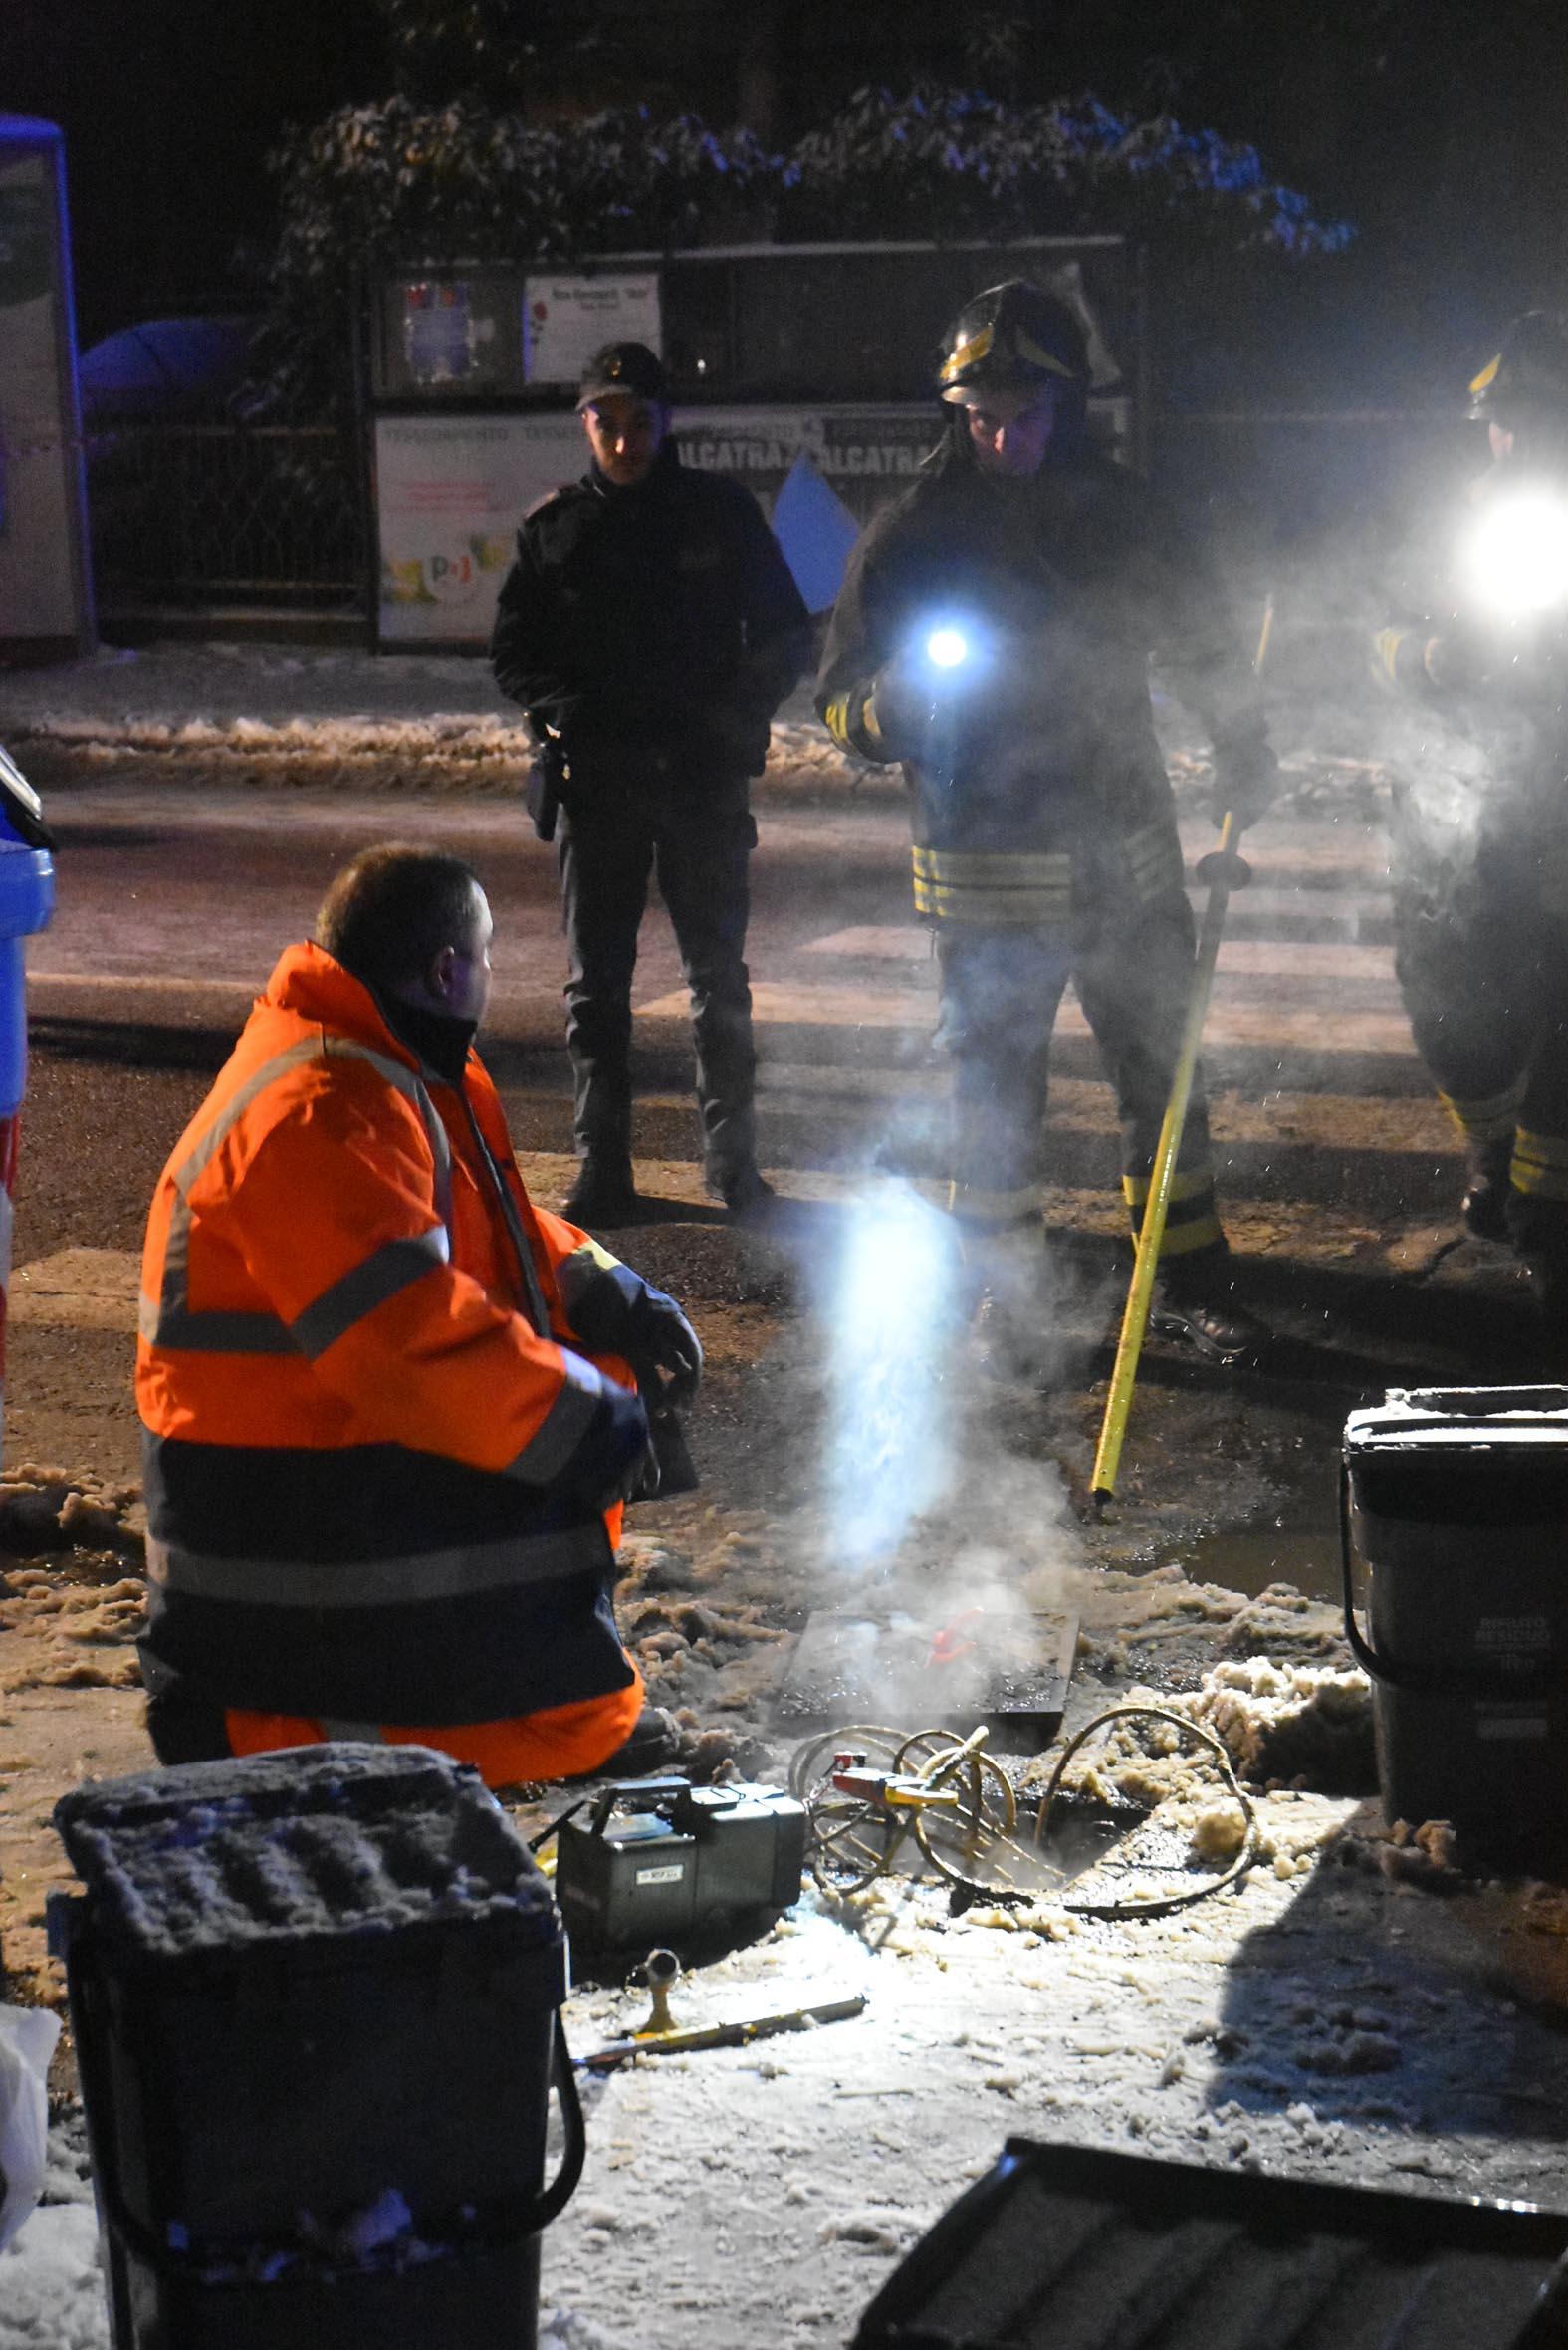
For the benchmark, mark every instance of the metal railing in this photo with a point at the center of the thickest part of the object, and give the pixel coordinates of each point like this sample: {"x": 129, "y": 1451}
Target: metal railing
{"x": 193, "y": 513}
{"x": 201, "y": 513}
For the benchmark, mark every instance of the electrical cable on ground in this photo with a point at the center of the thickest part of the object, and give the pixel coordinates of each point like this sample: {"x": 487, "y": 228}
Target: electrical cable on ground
{"x": 859, "y": 1818}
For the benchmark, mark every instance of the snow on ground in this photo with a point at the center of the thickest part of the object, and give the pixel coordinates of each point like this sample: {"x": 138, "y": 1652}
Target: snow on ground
{"x": 280, "y": 715}
{"x": 760, "y": 2195}
{"x": 1324, "y": 2017}
{"x": 275, "y": 714}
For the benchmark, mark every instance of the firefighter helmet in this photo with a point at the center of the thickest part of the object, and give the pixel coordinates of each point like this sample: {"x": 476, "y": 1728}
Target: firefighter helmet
{"x": 1014, "y": 335}
{"x": 1529, "y": 374}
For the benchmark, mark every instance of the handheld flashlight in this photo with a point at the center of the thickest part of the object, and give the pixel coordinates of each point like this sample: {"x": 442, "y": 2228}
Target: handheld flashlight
{"x": 946, "y": 648}
{"x": 1516, "y": 553}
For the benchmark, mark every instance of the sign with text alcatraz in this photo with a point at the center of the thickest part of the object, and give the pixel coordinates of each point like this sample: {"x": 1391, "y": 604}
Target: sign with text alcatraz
{"x": 450, "y": 491}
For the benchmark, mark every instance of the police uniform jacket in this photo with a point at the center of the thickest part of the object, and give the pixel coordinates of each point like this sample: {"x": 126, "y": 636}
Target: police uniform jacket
{"x": 376, "y": 1450}
{"x": 1041, "y": 783}
{"x": 653, "y": 630}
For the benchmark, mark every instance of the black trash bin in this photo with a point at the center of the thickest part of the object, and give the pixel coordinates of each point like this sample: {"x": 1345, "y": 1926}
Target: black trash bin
{"x": 1456, "y": 1512}
{"x": 315, "y": 2003}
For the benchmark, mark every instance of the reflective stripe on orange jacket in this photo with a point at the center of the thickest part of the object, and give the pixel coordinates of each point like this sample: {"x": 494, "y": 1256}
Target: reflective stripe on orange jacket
{"x": 376, "y": 1458}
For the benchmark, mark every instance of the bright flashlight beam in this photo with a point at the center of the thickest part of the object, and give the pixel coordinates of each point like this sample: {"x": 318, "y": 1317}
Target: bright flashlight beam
{"x": 1518, "y": 555}
{"x": 946, "y": 648}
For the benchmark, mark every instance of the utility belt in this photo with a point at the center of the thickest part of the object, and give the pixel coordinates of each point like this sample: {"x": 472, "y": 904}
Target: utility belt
{"x": 1043, "y": 890}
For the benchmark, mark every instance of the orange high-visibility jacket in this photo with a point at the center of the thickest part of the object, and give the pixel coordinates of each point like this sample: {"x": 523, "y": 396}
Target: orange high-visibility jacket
{"x": 376, "y": 1452}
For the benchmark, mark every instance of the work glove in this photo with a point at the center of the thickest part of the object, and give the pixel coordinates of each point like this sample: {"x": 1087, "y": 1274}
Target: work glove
{"x": 1246, "y": 777}
{"x": 663, "y": 1349}
{"x": 912, "y": 694}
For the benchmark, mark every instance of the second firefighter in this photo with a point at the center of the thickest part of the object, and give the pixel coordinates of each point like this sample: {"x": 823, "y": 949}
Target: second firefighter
{"x": 994, "y": 636}
{"x": 1481, "y": 818}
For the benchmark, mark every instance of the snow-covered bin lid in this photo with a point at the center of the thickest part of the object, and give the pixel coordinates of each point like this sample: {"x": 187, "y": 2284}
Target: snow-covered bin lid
{"x": 312, "y": 1845}
{"x": 1468, "y": 1416}
{"x": 1473, "y": 1456}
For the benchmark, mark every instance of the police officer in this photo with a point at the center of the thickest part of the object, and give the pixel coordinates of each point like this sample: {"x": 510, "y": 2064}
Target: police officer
{"x": 651, "y": 627}
{"x": 1480, "y": 858}
{"x": 994, "y": 635}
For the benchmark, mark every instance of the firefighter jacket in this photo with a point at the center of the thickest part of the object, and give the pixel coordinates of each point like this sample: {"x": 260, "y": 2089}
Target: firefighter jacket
{"x": 1038, "y": 787}
{"x": 651, "y": 632}
{"x": 376, "y": 1452}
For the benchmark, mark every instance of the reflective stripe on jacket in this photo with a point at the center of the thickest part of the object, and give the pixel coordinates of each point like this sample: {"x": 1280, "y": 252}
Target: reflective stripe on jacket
{"x": 376, "y": 1457}
{"x": 997, "y": 890}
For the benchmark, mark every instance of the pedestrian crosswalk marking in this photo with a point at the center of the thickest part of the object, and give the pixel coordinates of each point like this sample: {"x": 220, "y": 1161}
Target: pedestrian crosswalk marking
{"x": 1326, "y": 1029}
{"x": 1326, "y": 959}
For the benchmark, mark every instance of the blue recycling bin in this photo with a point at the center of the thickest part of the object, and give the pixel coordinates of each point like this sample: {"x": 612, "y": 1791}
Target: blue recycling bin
{"x": 27, "y": 900}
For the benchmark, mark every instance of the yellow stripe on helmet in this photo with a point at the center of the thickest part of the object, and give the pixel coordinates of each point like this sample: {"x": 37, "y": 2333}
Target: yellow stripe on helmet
{"x": 968, "y": 354}
{"x": 1487, "y": 377}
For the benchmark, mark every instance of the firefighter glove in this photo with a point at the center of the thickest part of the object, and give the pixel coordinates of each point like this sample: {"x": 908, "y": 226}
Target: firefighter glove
{"x": 1246, "y": 777}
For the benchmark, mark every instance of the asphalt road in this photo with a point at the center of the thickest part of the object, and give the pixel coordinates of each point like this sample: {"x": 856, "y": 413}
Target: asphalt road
{"x": 173, "y": 904}
{"x": 1339, "y": 1172}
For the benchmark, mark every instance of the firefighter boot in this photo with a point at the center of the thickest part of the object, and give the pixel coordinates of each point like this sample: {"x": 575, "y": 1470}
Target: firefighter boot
{"x": 1483, "y": 1209}
{"x": 1194, "y": 1301}
{"x": 1011, "y": 1303}
{"x": 1547, "y": 1272}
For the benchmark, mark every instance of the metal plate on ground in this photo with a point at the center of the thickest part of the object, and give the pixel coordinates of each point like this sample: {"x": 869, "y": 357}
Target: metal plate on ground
{"x": 1009, "y": 1670}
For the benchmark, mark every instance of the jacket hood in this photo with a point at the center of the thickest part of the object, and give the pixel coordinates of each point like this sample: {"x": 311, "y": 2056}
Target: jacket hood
{"x": 309, "y": 984}
{"x": 312, "y": 985}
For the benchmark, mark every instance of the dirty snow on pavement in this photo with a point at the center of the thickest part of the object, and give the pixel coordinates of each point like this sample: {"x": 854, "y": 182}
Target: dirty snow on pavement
{"x": 290, "y": 714}
{"x": 278, "y": 714}
{"x": 1332, "y": 2015}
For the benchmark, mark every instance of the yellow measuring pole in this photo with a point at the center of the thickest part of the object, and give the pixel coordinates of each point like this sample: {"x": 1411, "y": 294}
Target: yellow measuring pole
{"x": 1135, "y": 1315}
{"x": 1225, "y": 866}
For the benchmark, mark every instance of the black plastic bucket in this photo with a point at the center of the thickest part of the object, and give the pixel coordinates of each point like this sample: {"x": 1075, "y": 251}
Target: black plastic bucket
{"x": 315, "y": 2001}
{"x": 1456, "y": 1517}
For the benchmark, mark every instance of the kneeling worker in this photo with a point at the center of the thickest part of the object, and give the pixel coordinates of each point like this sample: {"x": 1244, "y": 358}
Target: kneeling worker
{"x": 389, "y": 1407}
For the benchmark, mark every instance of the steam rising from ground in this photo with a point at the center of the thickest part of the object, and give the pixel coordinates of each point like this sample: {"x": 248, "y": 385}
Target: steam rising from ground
{"x": 951, "y": 1539}
{"x": 892, "y": 1311}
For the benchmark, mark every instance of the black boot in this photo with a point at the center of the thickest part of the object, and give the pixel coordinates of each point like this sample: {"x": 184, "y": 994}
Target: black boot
{"x": 654, "y": 1745}
{"x": 1485, "y": 1207}
{"x": 603, "y": 1195}
{"x": 1196, "y": 1301}
{"x": 745, "y": 1190}
{"x": 1548, "y": 1279}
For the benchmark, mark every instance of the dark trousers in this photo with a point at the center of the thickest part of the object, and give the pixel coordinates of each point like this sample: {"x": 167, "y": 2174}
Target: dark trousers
{"x": 699, "y": 860}
{"x": 1000, "y": 992}
{"x": 1481, "y": 956}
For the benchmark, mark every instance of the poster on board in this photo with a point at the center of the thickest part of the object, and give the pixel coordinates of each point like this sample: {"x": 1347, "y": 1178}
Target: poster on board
{"x": 567, "y": 319}
{"x": 451, "y": 491}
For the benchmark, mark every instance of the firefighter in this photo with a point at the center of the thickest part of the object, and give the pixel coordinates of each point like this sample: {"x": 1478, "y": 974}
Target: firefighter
{"x": 389, "y": 1407}
{"x": 1480, "y": 859}
{"x": 649, "y": 627}
{"x": 994, "y": 635}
